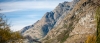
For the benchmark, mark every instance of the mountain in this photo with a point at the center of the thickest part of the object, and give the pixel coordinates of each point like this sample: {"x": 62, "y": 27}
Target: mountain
{"x": 78, "y": 26}
{"x": 50, "y": 19}
{"x": 69, "y": 22}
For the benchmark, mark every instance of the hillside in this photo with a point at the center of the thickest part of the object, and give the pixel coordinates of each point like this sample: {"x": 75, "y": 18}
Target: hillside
{"x": 70, "y": 22}
{"x": 50, "y": 20}
{"x": 79, "y": 26}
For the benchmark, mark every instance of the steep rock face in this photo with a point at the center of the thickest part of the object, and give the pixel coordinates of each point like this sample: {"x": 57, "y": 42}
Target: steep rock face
{"x": 70, "y": 7}
{"x": 48, "y": 21}
{"x": 76, "y": 25}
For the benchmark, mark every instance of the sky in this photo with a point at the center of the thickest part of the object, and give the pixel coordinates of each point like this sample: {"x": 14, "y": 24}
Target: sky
{"x": 21, "y": 13}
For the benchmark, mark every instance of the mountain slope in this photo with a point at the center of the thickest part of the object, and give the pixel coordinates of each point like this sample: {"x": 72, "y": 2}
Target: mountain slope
{"x": 48, "y": 21}
{"x": 76, "y": 25}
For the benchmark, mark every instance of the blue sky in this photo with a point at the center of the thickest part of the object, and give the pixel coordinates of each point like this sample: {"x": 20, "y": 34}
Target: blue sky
{"x": 22, "y": 13}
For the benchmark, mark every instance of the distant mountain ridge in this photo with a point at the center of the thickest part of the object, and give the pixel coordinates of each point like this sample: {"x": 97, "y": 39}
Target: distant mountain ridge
{"x": 50, "y": 20}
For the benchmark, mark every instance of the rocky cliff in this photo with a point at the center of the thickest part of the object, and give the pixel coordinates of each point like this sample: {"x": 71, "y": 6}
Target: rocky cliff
{"x": 77, "y": 25}
{"x": 69, "y": 22}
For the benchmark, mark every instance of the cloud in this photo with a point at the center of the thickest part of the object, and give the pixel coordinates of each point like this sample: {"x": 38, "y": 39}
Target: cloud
{"x": 23, "y": 20}
{"x": 31, "y": 0}
{"x": 19, "y": 22}
{"x": 28, "y": 4}
{"x": 3, "y": 11}
{"x": 24, "y": 5}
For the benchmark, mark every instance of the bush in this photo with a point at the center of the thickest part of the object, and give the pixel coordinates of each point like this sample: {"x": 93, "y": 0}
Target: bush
{"x": 91, "y": 39}
{"x": 6, "y": 35}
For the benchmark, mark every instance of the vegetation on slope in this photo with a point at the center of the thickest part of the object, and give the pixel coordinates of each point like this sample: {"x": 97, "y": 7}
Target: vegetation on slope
{"x": 98, "y": 24}
{"x": 91, "y": 39}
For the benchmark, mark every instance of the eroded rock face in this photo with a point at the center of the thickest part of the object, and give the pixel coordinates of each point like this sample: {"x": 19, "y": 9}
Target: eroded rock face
{"x": 75, "y": 26}
{"x": 85, "y": 25}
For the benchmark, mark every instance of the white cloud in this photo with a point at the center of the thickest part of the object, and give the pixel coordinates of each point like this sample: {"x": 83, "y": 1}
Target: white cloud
{"x": 24, "y": 5}
{"x": 17, "y": 27}
{"x": 24, "y": 20}
{"x": 3, "y": 11}
{"x": 19, "y": 24}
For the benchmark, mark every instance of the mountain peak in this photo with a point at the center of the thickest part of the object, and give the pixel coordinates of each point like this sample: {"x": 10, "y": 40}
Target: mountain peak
{"x": 48, "y": 21}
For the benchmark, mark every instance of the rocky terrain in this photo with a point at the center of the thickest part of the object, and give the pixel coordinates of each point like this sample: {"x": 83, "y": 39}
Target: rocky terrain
{"x": 50, "y": 20}
{"x": 69, "y": 22}
{"x": 76, "y": 26}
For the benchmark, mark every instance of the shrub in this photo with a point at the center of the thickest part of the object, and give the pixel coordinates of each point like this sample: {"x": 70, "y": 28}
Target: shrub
{"x": 6, "y": 35}
{"x": 91, "y": 39}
